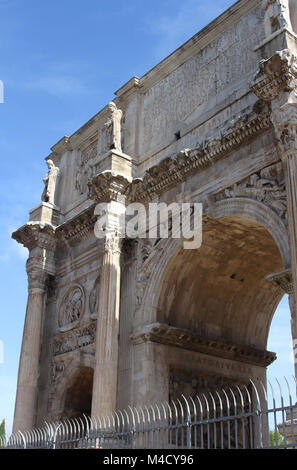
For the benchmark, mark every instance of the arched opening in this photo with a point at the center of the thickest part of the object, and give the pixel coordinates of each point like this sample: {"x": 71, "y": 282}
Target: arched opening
{"x": 220, "y": 290}
{"x": 78, "y": 396}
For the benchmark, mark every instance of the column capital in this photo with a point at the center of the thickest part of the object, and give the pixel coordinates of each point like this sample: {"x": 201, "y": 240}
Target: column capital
{"x": 283, "y": 280}
{"x": 108, "y": 186}
{"x": 41, "y": 241}
{"x": 36, "y": 235}
{"x": 276, "y": 74}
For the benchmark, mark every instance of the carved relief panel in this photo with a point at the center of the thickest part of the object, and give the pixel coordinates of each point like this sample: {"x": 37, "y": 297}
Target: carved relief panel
{"x": 71, "y": 308}
{"x": 266, "y": 186}
{"x": 84, "y": 168}
{"x": 94, "y": 299}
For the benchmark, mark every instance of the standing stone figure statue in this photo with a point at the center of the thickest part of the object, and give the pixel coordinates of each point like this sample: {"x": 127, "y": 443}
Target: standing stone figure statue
{"x": 50, "y": 180}
{"x": 113, "y": 128}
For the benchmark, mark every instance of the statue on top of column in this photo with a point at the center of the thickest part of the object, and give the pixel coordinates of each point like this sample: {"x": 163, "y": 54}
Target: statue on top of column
{"x": 113, "y": 128}
{"x": 50, "y": 180}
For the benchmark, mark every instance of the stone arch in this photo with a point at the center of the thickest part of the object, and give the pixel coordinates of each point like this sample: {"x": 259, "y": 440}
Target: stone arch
{"x": 73, "y": 383}
{"x": 78, "y": 394}
{"x": 260, "y": 213}
{"x": 252, "y": 215}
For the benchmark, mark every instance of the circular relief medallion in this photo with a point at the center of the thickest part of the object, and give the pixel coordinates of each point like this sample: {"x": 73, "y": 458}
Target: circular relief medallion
{"x": 71, "y": 308}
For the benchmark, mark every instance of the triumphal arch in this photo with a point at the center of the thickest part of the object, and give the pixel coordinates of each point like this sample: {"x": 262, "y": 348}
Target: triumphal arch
{"x": 115, "y": 321}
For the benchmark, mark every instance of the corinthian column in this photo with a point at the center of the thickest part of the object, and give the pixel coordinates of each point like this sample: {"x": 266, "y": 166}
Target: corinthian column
{"x": 39, "y": 239}
{"x": 285, "y": 121}
{"x": 106, "y": 370}
{"x": 107, "y": 190}
{"x": 276, "y": 83}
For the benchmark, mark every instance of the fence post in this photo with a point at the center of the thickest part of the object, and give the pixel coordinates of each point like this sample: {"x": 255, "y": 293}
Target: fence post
{"x": 258, "y": 418}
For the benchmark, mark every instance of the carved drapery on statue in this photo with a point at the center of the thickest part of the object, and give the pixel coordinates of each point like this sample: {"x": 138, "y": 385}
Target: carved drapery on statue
{"x": 111, "y": 135}
{"x": 50, "y": 181}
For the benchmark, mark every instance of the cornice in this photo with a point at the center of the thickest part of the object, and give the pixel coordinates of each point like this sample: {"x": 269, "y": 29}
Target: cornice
{"x": 181, "y": 338}
{"x": 78, "y": 227}
{"x": 177, "y": 168}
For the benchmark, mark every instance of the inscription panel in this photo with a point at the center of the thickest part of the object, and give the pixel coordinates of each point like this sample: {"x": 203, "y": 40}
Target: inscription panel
{"x": 183, "y": 94}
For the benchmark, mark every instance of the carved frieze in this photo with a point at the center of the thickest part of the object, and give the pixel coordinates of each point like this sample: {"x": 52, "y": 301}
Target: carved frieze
{"x": 74, "y": 339}
{"x": 78, "y": 227}
{"x": 266, "y": 186}
{"x": 71, "y": 307}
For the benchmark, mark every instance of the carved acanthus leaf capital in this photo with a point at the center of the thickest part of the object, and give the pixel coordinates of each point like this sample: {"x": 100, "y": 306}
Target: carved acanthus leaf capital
{"x": 276, "y": 74}
{"x": 283, "y": 280}
{"x": 36, "y": 234}
{"x": 108, "y": 186}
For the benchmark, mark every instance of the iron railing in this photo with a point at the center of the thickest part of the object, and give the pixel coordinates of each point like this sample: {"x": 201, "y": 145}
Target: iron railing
{"x": 236, "y": 417}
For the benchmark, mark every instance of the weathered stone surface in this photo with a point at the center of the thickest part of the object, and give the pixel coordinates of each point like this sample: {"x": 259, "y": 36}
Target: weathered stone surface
{"x": 120, "y": 321}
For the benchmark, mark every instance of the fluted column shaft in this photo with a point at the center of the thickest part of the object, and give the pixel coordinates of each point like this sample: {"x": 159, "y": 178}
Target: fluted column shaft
{"x": 106, "y": 370}
{"x": 285, "y": 120}
{"x": 27, "y": 388}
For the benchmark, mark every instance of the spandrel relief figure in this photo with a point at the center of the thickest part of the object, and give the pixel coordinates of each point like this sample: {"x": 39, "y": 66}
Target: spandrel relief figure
{"x": 50, "y": 181}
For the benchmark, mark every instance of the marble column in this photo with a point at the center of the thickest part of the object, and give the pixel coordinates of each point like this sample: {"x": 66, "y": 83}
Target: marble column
{"x": 106, "y": 370}
{"x": 27, "y": 388}
{"x": 285, "y": 121}
{"x": 40, "y": 240}
{"x": 276, "y": 84}
{"x": 107, "y": 190}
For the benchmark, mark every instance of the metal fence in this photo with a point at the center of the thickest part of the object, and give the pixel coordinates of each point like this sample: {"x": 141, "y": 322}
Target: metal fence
{"x": 236, "y": 417}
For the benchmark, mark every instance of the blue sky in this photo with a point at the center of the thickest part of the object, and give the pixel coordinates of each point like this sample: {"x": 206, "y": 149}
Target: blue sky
{"x": 61, "y": 61}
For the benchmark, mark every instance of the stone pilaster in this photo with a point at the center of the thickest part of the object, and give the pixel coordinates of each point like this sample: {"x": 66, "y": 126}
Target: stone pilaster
{"x": 39, "y": 239}
{"x": 285, "y": 120}
{"x": 108, "y": 189}
{"x": 276, "y": 83}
